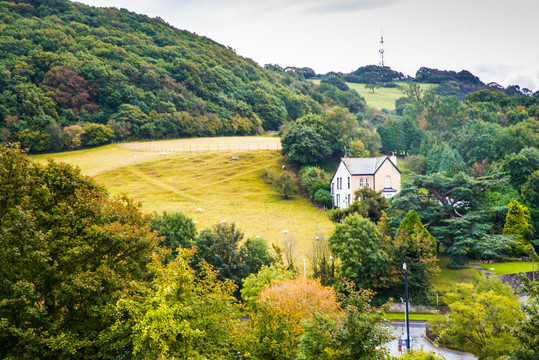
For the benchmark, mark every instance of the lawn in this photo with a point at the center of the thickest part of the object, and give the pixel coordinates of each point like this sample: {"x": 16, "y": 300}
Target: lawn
{"x": 208, "y": 180}
{"x": 509, "y": 267}
{"x": 382, "y": 98}
{"x": 447, "y": 278}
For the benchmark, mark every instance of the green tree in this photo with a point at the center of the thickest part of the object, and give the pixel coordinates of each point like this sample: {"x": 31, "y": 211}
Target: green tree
{"x": 68, "y": 253}
{"x": 368, "y": 203}
{"x": 356, "y": 242}
{"x": 517, "y": 222}
{"x": 372, "y": 80}
{"x": 415, "y": 246}
{"x": 357, "y": 335}
{"x": 521, "y": 165}
{"x": 530, "y": 190}
{"x": 479, "y": 319}
{"x": 96, "y": 134}
{"x": 286, "y": 184}
{"x": 256, "y": 282}
{"x": 302, "y": 145}
{"x": 219, "y": 247}
{"x": 176, "y": 229}
{"x": 256, "y": 254}
{"x": 449, "y": 207}
{"x": 182, "y": 315}
{"x": 526, "y": 330}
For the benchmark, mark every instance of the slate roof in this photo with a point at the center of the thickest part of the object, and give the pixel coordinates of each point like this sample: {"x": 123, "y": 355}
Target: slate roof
{"x": 365, "y": 166}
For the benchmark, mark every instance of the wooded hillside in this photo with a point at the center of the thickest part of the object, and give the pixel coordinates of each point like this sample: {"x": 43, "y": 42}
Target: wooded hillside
{"x": 73, "y": 75}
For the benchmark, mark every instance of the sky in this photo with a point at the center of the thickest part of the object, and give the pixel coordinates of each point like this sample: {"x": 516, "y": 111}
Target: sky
{"x": 496, "y": 40}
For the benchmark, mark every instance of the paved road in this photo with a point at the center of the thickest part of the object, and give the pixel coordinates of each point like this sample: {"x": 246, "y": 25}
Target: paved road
{"x": 417, "y": 330}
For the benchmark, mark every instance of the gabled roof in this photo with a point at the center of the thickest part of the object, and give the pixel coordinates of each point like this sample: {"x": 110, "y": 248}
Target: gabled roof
{"x": 365, "y": 166}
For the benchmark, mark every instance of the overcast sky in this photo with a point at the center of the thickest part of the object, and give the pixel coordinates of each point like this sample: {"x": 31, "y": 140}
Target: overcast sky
{"x": 497, "y": 40}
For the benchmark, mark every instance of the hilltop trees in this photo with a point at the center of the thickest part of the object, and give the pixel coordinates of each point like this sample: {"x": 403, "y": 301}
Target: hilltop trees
{"x": 66, "y": 64}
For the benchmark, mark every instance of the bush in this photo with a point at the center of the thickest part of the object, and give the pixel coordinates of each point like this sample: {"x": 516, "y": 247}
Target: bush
{"x": 323, "y": 197}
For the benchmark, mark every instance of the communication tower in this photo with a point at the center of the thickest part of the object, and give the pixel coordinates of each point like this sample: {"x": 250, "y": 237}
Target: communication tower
{"x": 381, "y": 51}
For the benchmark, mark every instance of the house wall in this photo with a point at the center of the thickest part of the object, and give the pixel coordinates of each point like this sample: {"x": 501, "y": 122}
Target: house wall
{"x": 387, "y": 169}
{"x": 342, "y": 194}
{"x": 356, "y": 183}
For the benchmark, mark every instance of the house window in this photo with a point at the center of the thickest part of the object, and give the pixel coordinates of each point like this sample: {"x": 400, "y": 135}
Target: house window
{"x": 349, "y": 182}
{"x": 349, "y": 198}
{"x": 338, "y": 200}
{"x": 360, "y": 182}
{"x": 388, "y": 181}
{"x": 368, "y": 182}
{"x": 332, "y": 188}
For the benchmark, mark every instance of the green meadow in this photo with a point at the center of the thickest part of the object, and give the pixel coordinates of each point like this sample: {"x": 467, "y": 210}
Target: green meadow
{"x": 382, "y": 98}
{"x": 194, "y": 177}
{"x": 510, "y": 267}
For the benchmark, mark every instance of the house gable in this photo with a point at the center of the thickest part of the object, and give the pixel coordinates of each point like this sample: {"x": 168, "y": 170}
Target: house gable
{"x": 373, "y": 172}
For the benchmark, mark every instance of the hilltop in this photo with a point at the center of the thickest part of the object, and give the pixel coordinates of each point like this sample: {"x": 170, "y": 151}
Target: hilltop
{"x": 73, "y": 75}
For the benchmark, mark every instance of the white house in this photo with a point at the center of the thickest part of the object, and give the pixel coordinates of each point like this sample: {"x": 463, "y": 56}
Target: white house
{"x": 378, "y": 173}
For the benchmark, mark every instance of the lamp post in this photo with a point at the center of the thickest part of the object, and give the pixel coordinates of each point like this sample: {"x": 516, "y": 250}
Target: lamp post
{"x": 406, "y": 295}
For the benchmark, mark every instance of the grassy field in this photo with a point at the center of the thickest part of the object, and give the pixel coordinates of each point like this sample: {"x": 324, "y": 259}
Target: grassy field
{"x": 509, "y": 267}
{"x": 382, "y": 98}
{"x": 182, "y": 180}
{"x": 447, "y": 278}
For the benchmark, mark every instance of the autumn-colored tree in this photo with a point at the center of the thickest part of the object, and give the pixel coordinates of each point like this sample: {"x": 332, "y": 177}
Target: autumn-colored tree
{"x": 256, "y": 282}
{"x": 71, "y": 91}
{"x": 277, "y": 325}
{"x": 358, "y": 334}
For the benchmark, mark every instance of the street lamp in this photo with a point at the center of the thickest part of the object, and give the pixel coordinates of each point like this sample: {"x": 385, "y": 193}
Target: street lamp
{"x": 406, "y": 295}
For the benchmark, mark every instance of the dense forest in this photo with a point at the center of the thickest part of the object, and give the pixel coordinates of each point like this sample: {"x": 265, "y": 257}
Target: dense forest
{"x": 73, "y": 75}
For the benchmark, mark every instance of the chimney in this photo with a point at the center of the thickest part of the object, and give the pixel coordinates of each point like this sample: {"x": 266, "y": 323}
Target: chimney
{"x": 346, "y": 160}
{"x": 393, "y": 158}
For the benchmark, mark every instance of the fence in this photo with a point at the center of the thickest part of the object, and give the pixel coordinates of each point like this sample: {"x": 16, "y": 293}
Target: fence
{"x": 199, "y": 147}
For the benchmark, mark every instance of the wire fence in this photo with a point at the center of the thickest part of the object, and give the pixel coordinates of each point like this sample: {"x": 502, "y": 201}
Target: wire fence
{"x": 199, "y": 147}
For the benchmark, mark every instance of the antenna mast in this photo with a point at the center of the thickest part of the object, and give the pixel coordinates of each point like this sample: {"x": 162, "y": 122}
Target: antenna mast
{"x": 381, "y": 51}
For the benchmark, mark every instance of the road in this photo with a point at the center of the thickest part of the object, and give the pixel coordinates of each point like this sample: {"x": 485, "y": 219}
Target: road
{"x": 417, "y": 330}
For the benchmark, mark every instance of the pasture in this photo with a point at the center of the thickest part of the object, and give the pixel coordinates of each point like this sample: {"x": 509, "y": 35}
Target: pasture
{"x": 382, "y": 98}
{"x": 192, "y": 174}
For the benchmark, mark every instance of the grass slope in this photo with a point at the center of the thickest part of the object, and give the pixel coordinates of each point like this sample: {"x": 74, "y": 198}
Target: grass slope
{"x": 382, "y": 98}
{"x": 447, "y": 278}
{"x": 510, "y": 267}
{"x": 188, "y": 180}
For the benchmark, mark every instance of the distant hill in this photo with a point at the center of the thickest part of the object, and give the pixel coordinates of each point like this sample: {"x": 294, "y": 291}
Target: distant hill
{"x": 73, "y": 75}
